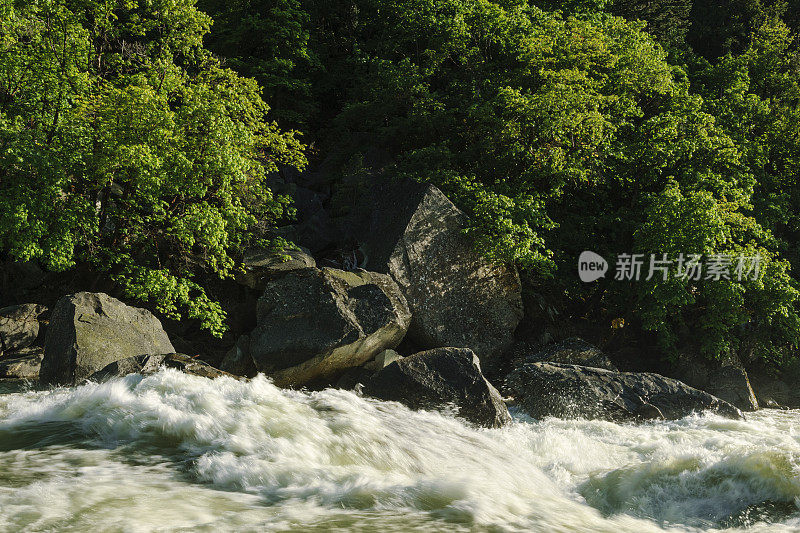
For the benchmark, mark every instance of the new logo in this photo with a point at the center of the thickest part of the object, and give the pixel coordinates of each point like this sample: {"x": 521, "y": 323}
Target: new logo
{"x": 591, "y": 266}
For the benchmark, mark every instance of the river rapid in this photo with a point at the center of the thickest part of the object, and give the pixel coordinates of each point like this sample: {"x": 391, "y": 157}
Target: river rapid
{"x": 172, "y": 452}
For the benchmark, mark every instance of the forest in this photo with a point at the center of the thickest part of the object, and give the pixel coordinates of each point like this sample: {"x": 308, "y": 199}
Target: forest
{"x": 154, "y": 140}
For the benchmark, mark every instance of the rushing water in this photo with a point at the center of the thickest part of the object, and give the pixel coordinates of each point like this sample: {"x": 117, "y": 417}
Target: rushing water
{"x": 175, "y": 452}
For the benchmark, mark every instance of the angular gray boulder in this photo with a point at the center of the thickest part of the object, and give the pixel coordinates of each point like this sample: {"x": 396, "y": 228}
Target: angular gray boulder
{"x": 314, "y": 324}
{"x": 726, "y": 379}
{"x": 438, "y": 378}
{"x": 733, "y": 385}
{"x": 19, "y": 326}
{"x": 572, "y": 391}
{"x": 457, "y": 297}
{"x": 150, "y": 364}
{"x": 88, "y": 331}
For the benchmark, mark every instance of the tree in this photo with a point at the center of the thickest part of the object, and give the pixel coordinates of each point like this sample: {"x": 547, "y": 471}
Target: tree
{"x": 268, "y": 41}
{"x": 123, "y": 143}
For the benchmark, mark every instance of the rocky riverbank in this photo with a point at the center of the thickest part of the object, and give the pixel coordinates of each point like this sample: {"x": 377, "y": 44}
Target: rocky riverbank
{"x": 405, "y": 310}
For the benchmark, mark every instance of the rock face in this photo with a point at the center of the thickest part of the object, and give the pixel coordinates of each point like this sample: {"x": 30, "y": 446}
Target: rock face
{"x": 19, "y": 326}
{"x": 441, "y": 377}
{"x": 261, "y": 267}
{"x": 238, "y": 361}
{"x": 149, "y": 364}
{"x": 725, "y": 379}
{"x": 90, "y": 330}
{"x": 457, "y": 298}
{"x": 572, "y": 391}
{"x": 733, "y": 385}
{"x": 315, "y": 324}
{"x": 573, "y": 351}
{"x": 24, "y": 364}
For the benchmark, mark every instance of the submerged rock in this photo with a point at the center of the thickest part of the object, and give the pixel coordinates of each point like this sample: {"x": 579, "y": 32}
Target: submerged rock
{"x": 438, "y": 378}
{"x": 24, "y": 364}
{"x": 88, "y": 331}
{"x": 19, "y": 326}
{"x": 457, "y": 297}
{"x": 572, "y": 391}
{"x": 149, "y": 364}
{"x": 314, "y": 324}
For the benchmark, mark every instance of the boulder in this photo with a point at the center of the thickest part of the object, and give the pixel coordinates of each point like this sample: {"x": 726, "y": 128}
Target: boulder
{"x": 88, "y": 331}
{"x": 19, "y": 326}
{"x": 572, "y": 351}
{"x": 238, "y": 361}
{"x": 442, "y": 377}
{"x": 314, "y": 324}
{"x": 150, "y": 364}
{"x": 262, "y": 266}
{"x": 24, "y": 364}
{"x": 777, "y": 391}
{"x": 732, "y": 384}
{"x": 457, "y": 297}
{"x": 726, "y": 379}
{"x": 572, "y": 391}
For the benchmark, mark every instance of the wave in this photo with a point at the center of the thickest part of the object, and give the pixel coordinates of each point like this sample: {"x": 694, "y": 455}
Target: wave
{"x": 226, "y": 455}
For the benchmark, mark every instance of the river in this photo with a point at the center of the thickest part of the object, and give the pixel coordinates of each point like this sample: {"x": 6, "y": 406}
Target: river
{"x": 172, "y": 452}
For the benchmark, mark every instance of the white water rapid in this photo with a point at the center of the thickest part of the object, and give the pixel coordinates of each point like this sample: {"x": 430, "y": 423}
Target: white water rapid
{"x": 172, "y": 452}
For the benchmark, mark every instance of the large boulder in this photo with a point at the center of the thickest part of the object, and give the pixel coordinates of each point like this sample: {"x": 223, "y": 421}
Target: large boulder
{"x": 19, "y": 326}
{"x": 572, "y": 391}
{"x": 88, "y": 331}
{"x": 442, "y": 377}
{"x": 726, "y": 379}
{"x": 150, "y": 364}
{"x": 314, "y": 324}
{"x": 456, "y": 296}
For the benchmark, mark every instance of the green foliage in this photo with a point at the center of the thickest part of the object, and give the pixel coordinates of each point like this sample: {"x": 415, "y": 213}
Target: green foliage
{"x": 557, "y": 128}
{"x": 267, "y": 40}
{"x": 558, "y": 134}
{"x": 125, "y": 144}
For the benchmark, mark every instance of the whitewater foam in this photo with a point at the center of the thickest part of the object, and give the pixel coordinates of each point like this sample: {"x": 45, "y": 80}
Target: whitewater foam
{"x": 176, "y": 452}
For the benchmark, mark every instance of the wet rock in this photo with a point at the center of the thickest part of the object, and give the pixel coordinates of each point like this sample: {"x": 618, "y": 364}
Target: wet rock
{"x": 262, "y": 266}
{"x": 88, "y": 331}
{"x": 24, "y": 364}
{"x": 314, "y": 324}
{"x": 457, "y": 297}
{"x": 150, "y": 364}
{"x": 439, "y": 378}
{"x": 19, "y": 326}
{"x": 572, "y": 391}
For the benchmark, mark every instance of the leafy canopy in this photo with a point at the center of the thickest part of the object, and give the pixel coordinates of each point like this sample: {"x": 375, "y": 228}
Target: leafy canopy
{"x": 123, "y": 143}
